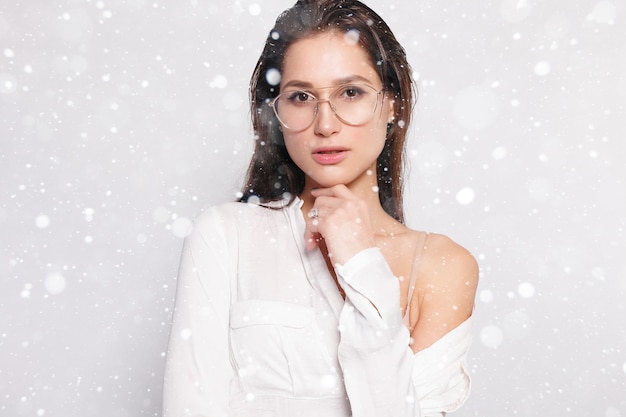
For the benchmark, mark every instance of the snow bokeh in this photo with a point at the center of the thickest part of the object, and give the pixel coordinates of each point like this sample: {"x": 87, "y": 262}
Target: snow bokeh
{"x": 121, "y": 120}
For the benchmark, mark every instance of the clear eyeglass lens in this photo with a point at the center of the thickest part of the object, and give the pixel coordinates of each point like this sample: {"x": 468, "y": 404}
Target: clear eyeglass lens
{"x": 353, "y": 104}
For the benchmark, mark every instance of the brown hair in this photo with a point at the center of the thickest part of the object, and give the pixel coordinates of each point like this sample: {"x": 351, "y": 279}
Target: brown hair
{"x": 272, "y": 175}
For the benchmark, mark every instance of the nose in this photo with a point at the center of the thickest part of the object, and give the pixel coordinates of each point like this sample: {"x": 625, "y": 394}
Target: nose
{"x": 326, "y": 121}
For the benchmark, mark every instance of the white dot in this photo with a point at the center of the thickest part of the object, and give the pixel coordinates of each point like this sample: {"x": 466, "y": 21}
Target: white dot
{"x": 185, "y": 334}
{"x": 328, "y": 381}
{"x": 499, "y": 153}
{"x": 491, "y": 336}
{"x": 526, "y": 290}
{"x": 254, "y": 9}
{"x": 8, "y": 83}
{"x": 41, "y": 412}
{"x": 352, "y": 37}
{"x": 465, "y": 196}
{"x": 219, "y": 81}
{"x": 42, "y": 221}
{"x": 542, "y": 68}
{"x": 9, "y": 53}
{"x": 273, "y": 76}
{"x": 55, "y": 283}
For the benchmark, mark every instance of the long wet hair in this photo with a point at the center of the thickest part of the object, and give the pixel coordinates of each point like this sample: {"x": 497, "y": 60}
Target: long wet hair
{"x": 272, "y": 175}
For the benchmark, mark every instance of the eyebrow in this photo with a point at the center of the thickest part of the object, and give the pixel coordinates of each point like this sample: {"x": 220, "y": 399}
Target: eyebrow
{"x": 337, "y": 82}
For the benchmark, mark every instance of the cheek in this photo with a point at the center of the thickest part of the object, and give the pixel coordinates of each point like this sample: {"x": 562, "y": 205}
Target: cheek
{"x": 295, "y": 146}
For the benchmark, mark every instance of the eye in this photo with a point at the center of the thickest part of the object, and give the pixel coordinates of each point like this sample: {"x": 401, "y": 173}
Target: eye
{"x": 351, "y": 92}
{"x": 299, "y": 97}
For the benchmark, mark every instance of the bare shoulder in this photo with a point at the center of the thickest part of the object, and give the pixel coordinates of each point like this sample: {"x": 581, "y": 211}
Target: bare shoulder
{"x": 445, "y": 289}
{"x": 444, "y": 259}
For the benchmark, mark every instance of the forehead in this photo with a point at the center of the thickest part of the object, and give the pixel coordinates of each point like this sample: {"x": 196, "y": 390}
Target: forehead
{"x": 327, "y": 58}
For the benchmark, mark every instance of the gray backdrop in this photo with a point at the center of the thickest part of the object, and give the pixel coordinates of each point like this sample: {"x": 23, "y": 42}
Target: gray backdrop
{"x": 121, "y": 119}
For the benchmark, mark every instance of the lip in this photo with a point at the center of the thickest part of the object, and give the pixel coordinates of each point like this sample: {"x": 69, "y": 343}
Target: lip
{"x": 329, "y": 155}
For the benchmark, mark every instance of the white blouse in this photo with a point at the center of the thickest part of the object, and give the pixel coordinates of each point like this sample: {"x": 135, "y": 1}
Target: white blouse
{"x": 260, "y": 329}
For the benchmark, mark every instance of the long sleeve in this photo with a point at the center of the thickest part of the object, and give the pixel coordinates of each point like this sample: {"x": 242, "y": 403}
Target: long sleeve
{"x": 382, "y": 375}
{"x": 198, "y": 369}
{"x": 374, "y": 351}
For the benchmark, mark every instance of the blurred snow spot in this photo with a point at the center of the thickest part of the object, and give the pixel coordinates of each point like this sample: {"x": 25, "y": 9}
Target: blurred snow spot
{"x": 273, "y": 76}
{"x": 88, "y": 239}
{"x": 275, "y": 35}
{"x": 25, "y": 293}
{"x": 232, "y": 100}
{"x": 328, "y": 381}
{"x": 431, "y": 157}
{"x": 219, "y": 81}
{"x": 542, "y": 68}
{"x": 41, "y": 412}
{"x": 253, "y": 199}
{"x": 526, "y": 290}
{"x": 352, "y": 37}
{"x": 89, "y": 212}
{"x": 486, "y": 296}
{"x": 499, "y": 153}
{"x": 141, "y": 238}
{"x": 465, "y": 196}
{"x": 515, "y": 10}
{"x": 9, "y": 53}
{"x": 254, "y": 9}
{"x": 491, "y": 336}
{"x": 185, "y": 334}
{"x": 182, "y": 227}
{"x": 249, "y": 396}
{"x": 516, "y": 325}
{"x": 42, "y": 221}
{"x": 55, "y": 283}
{"x": 604, "y": 13}
{"x": 476, "y": 107}
{"x": 8, "y": 83}
{"x": 540, "y": 189}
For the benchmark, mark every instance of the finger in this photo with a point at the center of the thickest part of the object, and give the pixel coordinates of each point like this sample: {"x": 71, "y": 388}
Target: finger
{"x": 311, "y": 233}
{"x": 339, "y": 191}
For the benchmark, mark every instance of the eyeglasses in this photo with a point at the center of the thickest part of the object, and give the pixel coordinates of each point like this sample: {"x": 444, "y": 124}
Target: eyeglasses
{"x": 353, "y": 104}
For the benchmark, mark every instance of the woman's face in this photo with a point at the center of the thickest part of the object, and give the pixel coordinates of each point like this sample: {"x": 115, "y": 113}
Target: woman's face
{"x": 330, "y": 151}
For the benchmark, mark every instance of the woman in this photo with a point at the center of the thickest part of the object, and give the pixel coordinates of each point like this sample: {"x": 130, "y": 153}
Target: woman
{"x": 310, "y": 297}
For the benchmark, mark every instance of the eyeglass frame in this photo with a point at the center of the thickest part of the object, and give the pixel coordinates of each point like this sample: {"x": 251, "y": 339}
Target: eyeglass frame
{"x": 272, "y": 104}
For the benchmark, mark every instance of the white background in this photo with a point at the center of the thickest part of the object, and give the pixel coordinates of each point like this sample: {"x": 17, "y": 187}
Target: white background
{"x": 121, "y": 120}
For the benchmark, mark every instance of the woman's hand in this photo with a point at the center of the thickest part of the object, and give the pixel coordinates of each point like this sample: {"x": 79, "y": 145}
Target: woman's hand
{"x": 342, "y": 220}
